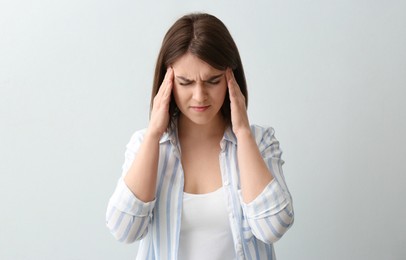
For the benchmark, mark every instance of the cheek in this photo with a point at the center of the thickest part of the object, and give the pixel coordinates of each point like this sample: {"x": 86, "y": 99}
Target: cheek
{"x": 178, "y": 94}
{"x": 175, "y": 94}
{"x": 221, "y": 93}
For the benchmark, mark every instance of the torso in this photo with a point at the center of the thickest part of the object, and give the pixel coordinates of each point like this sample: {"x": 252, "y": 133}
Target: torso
{"x": 201, "y": 167}
{"x": 205, "y": 231}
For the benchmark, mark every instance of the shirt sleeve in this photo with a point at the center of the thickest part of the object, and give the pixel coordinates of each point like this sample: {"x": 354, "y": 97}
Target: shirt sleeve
{"x": 127, "y": 217}
{"x": 270, "y": 214}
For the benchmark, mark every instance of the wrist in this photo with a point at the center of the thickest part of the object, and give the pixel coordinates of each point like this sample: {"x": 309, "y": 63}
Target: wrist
{"x": 152, "y": 135}
{"x": 243, "y": 133}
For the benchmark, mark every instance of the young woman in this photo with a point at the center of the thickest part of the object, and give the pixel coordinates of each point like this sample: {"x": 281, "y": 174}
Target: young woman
{"x": 201, "y": 182}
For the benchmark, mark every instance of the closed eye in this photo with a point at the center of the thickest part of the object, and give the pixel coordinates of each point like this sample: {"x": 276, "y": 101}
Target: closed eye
{"x": 183, "y": 81}
{"x": 214, "y": 82}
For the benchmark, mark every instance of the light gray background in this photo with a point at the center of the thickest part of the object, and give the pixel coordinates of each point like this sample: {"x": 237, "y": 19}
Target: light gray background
{"x": 329, "y": 76}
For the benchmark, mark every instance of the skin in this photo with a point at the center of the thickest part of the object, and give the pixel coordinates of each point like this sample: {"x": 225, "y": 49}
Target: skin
{"x": 199, "y": 91}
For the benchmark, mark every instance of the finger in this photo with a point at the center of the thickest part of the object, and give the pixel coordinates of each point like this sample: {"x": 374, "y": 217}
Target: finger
{"x": 168, "y": 84}
{"x": 162, "y": 88}
{"x": 235, "y": 83}
{"x": 232, "y": 84}
{"x": 237, "y": 98}
{"x": 228, "y": 76}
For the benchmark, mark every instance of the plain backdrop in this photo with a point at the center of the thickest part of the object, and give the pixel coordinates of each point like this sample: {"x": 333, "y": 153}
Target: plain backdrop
{"x": 329, "y": 76}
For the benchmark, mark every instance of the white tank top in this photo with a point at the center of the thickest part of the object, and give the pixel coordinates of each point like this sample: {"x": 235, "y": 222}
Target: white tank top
{"x": 205, "y": 231}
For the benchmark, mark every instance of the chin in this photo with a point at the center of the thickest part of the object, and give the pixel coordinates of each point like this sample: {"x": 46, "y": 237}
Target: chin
{"x": 202, "y": 119}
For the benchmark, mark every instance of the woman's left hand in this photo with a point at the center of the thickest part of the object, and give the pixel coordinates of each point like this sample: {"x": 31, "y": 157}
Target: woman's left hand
{"x": 239, "y": 116}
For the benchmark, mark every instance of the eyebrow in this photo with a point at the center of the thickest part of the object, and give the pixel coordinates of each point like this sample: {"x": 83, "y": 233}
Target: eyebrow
{"x": 209, "y": 79}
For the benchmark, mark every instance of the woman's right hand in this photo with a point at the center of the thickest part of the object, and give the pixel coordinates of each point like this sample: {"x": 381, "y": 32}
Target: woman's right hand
{"x": 160, "y": 108}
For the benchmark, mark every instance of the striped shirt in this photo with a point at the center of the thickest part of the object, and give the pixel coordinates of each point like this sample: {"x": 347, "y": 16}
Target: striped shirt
{"x": 255, "y": 226}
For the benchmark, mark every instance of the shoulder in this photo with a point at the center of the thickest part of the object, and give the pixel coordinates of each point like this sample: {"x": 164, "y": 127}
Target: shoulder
{"x": 266, "y": 140}
{"x": 262, "y": 132}
{"x": 136, "y": 139}
{"x": 138, "y": 136}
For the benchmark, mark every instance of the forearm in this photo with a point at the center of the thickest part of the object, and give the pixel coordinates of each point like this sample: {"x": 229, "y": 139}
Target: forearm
{"x": 127, "y": 217}
{"x": 254, "y": 173}
{"x": 128, "y": 227}
{"x": 142, "y": 175}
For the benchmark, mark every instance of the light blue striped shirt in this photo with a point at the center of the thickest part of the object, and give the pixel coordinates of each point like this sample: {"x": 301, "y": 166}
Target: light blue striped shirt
{"x": 255, "y": 226}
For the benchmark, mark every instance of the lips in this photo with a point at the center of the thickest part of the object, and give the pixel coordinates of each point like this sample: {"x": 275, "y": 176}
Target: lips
{"x": 199, "y": 108}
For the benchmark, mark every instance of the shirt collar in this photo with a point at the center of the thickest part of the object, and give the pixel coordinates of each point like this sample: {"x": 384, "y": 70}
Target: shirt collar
{"x": 171, "y": 134}
{"x": 229, "y": 135}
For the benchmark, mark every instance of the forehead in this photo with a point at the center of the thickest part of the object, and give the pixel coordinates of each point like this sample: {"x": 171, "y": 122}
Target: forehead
{"x": 189, "y": 66}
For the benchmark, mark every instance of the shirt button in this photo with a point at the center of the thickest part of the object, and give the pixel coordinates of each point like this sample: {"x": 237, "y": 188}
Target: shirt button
{"x": 226, "y": 182}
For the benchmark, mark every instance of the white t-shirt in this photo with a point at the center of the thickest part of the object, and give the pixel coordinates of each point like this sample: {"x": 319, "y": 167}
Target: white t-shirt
{"x": 205, "y": 231}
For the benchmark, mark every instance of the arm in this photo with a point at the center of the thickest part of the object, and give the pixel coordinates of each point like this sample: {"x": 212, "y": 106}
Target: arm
{"x": 127, "y": 216}
{"x": 270, "y": 214}
{"x": 254, "y": 173}
{"x": 130, "y": 208}
{"x": 141, "y": 177}
{"x": 265, "y": 199}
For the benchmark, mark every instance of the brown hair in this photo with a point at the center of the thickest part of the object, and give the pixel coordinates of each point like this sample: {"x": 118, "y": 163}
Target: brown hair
{"x": 206, "y": 37}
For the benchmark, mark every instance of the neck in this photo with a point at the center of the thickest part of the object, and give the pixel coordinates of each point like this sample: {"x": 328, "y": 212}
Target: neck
{"x": 189, "y": 129}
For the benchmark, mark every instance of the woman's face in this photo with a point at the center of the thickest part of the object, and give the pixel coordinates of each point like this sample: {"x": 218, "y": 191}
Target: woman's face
{"x": 199, "y": 89}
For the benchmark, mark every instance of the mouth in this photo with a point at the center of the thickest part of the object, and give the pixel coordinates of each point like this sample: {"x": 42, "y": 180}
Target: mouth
{"x": 199, "y": 108}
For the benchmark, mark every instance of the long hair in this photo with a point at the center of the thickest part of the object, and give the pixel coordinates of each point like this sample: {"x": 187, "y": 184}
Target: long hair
{"x": 206, "y": 37}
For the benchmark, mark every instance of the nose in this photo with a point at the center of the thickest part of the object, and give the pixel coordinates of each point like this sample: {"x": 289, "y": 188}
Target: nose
{"x": 199, "y": 93}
